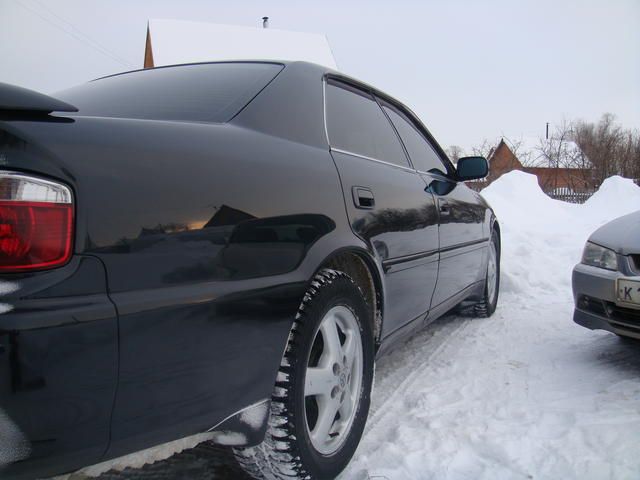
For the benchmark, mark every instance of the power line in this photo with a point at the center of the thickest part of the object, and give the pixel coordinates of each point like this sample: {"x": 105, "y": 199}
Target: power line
{"x": 78, "y": 36}
{"x": 86, "y": 40}
{"x": 81, "y": 33}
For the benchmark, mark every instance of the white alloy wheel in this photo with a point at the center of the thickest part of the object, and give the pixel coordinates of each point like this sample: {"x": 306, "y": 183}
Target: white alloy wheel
{"x": 333, "y": 379}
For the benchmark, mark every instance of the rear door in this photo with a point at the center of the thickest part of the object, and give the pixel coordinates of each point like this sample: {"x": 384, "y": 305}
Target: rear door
{"x": 385, "y": 199}
{"x": 461, "y": 215}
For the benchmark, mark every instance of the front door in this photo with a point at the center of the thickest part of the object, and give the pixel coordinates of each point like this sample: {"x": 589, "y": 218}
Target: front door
{"x": 385, "y": 200}
{"x": 463, "y": 237}
{"x": 461, "y": 215}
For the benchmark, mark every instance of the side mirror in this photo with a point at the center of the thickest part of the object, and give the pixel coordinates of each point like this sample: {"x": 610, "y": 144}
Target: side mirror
{"x": 471, "y": 168}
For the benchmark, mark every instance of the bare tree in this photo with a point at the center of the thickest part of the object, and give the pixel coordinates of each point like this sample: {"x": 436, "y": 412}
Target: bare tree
{"x": 610, "y": 149}
{"x": 519, "y": 149}
{"x": 629, "y": 155}
{"x": 485, "y": 149}
{"x": 561, "y": 153}
{"x": 454, "y": 152}
{"x": 558, "y": 150}
{"x": 578, "y": 154}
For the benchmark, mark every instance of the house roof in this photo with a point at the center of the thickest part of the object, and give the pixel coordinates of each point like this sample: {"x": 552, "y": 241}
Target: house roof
{"x": 171, "y": 42}
{"x": 529, "y": 150}
{"x": 498, "y": 148}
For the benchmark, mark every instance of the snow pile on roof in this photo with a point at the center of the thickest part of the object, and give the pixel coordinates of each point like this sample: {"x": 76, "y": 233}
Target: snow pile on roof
{"x": 178, "y": 41}
{"x": 530, "y": 151}
{"x": 544, "y": 237}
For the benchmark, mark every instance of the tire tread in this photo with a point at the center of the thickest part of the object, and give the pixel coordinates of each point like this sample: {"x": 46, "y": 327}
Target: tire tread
{"x": 277, "y": 458}
{"x": 483, "y": 309}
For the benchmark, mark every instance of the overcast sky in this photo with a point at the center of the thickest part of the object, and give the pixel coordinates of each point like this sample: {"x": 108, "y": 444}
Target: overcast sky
{"x": 470, "y": 69}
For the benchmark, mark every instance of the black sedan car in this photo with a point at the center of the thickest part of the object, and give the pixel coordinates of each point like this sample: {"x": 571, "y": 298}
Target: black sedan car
{"x": 220, "y": 249}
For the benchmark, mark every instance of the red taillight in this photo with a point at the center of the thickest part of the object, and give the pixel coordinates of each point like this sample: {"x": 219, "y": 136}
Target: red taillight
{"x": 36, "y": 223}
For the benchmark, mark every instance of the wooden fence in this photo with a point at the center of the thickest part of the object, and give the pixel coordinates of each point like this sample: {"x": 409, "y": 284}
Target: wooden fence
{"x": 563, "y": 194}
{"x": 567, "y": 195}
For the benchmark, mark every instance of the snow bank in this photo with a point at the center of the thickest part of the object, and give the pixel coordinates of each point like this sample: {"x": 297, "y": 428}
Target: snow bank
{"x": 617, "y": 196}
{"x": 543, "y": 238}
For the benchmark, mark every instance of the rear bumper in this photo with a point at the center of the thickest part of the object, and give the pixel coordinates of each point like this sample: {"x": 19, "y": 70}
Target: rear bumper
{"x": 594, "y": 291}
{"x": 58, "y": 369}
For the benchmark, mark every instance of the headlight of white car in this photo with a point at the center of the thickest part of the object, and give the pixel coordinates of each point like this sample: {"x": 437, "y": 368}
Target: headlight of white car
{"x": 600, "y": 257}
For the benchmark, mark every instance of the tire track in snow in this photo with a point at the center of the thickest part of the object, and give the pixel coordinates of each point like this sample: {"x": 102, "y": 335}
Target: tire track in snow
{"x": 440, "y": 334}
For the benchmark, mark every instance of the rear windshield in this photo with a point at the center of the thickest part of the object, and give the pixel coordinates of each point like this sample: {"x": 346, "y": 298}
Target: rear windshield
{"x": 205, "y": 92}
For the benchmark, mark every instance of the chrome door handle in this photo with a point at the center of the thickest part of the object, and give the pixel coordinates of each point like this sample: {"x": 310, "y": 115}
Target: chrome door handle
{"x": 363, "y": 197}
{"x": 443, "y": 207}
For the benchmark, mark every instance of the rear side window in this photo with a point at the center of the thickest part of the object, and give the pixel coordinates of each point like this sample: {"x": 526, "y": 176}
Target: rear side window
{"x": 422, "y": 154}
{"x": 356, "y": 123}
{"x": 212, "y": 92}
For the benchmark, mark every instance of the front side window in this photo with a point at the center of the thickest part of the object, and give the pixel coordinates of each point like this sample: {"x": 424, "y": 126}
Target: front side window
{"x": 355, "y": 123}
{"x": 422, "y": 154}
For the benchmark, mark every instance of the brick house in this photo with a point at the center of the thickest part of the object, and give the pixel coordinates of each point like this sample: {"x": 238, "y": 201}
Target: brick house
{"x": 503, "y": 160}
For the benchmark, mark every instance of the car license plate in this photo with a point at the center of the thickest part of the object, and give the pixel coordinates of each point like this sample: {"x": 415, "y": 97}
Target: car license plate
{"x": 629, "y": 292}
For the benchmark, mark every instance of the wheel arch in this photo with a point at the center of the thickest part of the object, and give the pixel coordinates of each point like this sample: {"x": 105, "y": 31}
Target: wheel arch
{"x": 363, "y": 269}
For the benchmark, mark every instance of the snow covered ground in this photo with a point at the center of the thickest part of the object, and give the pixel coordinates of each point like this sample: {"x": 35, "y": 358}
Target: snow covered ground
{"x": 525, "y": 393}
